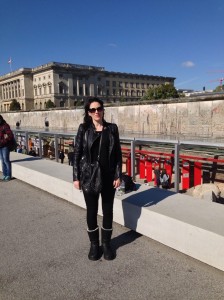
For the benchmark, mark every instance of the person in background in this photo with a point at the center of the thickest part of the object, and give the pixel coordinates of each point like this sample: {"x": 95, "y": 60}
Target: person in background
{"x": 24, "y": 150}
{"x": 165, "y": 179}
{"x": 19, "y": 149}
{"x": 61, "y": 156}
{"x": 70, "y": 156}
{"x": 86, "y": 147}
{"x": 32, "y": 152}
{"x": 6, "y": 139}
{"x": 157, "y": 176}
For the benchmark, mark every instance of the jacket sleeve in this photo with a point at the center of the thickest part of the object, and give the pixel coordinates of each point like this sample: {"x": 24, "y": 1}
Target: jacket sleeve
{"x": 6, "y": 136}
{"x": 78, "y": 151}
{"x": 118, "y": 153}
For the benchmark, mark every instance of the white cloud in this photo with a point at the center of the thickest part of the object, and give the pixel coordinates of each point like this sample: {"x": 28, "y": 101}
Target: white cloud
{"x": 188, "y": 64}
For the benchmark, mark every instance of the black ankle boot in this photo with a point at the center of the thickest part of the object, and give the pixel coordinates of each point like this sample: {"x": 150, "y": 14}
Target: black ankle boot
{"x": 94, "y": 252}
{"x": 106, "y": 238}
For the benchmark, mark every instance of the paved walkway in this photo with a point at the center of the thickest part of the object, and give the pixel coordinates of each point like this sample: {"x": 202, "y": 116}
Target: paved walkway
{"x": 44, "y": 247}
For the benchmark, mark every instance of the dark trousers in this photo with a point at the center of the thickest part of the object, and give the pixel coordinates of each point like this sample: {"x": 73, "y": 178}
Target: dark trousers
{"x": 92, "y": 201}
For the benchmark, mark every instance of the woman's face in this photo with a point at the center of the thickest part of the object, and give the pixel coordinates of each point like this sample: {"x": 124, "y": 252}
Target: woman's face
{"x": 96, "y": 111}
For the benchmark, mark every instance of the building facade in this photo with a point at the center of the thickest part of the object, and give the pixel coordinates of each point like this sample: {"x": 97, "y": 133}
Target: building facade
{"x": 66, "y": 85}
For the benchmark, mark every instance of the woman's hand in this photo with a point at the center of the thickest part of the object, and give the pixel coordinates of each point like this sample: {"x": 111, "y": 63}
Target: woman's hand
{"x": 116, "y": 183}
{"x": 77, "y": 184}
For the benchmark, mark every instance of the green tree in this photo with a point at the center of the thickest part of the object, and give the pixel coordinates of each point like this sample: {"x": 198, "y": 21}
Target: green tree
{"x": 14, "y": 105}
{"x": 50, "y": 104}
{"x": 164, "y": 91}
{"x": 219, "y": 88}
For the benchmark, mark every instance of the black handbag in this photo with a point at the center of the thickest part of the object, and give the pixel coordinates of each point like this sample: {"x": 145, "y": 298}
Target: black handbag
{"x": 91, "y": 180}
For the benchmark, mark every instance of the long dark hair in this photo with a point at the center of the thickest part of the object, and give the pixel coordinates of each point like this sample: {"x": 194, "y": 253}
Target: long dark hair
{"x": 87, "y": 120}
{"x": 2, "y": 121}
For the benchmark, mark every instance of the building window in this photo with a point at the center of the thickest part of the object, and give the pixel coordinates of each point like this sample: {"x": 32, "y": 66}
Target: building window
{"x": 107, "y": 83}
{"x": 108, "y": 93}
{"x": 49, "y": 88}
{"x": 126, "y": 84}
{"x": 114, "y": 83}
{"x": 120, "y": 83}
{"x": 114, "y": 92}
{"x": 132, "y": 84}
{"x": 61, "y": 88}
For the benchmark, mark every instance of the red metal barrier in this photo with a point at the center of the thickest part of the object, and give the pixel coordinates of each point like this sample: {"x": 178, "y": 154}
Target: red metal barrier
{"x": 142, "y": 167}
{"x": 191, "y": 170}
{"x": 186, "y": 175}
{"x": 197, "y": 173}
{"x": 128, "y": 166}
{"x": 148, "y": 167}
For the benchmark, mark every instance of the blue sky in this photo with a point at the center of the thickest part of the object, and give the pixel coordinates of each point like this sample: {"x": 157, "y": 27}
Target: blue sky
{"x": 181, "y": 39}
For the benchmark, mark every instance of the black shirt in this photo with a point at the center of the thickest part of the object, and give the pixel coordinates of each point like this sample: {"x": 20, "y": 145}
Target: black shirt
{"x": 104, "y": 153}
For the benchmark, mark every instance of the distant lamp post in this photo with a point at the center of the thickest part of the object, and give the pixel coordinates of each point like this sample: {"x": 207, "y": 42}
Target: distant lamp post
{"x": 46, "y": 122}
{"x": 18, "y": 124}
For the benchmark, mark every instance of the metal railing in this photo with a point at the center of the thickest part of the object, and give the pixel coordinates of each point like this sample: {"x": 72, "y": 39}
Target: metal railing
{"x": 176, "y": 144}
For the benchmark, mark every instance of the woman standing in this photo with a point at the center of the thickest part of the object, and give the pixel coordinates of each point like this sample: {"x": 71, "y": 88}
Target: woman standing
{"x": 6, "y": 138}
{"x": 86, "y": 147}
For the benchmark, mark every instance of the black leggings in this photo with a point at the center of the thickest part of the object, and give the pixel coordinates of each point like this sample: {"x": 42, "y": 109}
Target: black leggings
{"x": 107, "y": 195}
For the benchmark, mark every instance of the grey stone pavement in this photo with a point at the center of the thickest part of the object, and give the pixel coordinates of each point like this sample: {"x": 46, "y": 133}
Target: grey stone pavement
{"x": 43, "y": 255}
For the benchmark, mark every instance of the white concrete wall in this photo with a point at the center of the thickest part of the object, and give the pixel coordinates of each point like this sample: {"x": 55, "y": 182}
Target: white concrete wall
{"x": 201, "y": 118}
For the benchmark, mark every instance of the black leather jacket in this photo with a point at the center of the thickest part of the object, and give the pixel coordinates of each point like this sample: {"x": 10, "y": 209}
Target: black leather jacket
{"x": 83, "y": 149}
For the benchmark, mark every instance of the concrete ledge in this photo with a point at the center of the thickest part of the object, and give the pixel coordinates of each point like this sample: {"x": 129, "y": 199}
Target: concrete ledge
{"x": 193, "y": 227}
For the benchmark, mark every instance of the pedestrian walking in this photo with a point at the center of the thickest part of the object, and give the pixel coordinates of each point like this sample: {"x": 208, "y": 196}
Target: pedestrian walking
{"x": 6, "y": 140}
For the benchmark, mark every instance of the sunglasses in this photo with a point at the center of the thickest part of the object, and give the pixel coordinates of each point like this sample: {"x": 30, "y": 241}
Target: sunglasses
{"x": 98, "y": 109}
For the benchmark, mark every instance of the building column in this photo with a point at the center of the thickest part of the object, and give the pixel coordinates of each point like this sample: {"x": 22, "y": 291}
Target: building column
{"x": 77, "y": 86}
{"x": 84, "y": 89}
{"x": 91, "y": 90}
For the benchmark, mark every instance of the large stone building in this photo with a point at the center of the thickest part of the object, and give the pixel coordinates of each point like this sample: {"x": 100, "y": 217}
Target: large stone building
{"x": 67, "y": 84}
